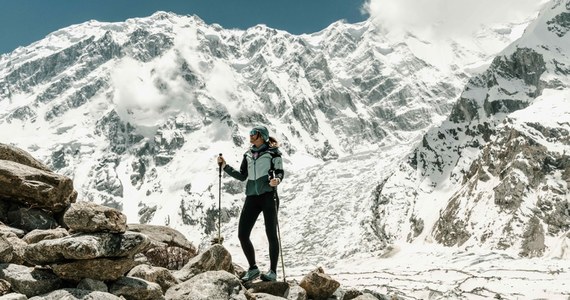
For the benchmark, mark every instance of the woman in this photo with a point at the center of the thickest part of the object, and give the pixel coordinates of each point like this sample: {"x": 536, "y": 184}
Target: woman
{"x": 262, "y": 167}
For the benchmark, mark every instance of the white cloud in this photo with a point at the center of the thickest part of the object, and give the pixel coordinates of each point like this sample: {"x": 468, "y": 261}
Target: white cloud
{"x": 448, "y": 17}
{"x": 136, "y": 97}
{"x": 146, "y": 94}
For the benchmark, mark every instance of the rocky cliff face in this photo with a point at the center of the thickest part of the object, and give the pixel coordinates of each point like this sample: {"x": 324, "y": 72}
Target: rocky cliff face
{"x": 495, "y": 173}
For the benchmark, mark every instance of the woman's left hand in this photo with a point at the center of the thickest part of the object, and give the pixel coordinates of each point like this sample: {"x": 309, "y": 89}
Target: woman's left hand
{"x": 274, "y": 182}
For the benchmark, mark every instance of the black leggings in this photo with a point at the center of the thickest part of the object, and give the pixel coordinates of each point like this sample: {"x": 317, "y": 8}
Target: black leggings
{"x": 252, "y": 207}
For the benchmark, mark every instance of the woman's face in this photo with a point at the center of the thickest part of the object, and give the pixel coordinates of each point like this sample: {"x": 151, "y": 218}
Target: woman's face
{"x": 253, "y": 136}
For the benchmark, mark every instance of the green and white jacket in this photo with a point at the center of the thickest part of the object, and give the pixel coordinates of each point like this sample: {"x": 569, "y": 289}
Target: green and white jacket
{"x": 255, "y": 167}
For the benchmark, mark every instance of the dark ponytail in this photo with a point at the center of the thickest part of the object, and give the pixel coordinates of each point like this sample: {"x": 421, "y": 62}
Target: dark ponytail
{"x": 273, "y": 143}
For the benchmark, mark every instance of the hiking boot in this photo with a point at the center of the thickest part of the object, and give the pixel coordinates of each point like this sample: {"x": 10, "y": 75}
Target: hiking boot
{"x": 269, "y": 276}
{"x": 251, "y": 274}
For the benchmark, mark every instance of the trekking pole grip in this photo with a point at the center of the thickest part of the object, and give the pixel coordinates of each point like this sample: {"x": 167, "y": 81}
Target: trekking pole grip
{"x": 220, "y": 166}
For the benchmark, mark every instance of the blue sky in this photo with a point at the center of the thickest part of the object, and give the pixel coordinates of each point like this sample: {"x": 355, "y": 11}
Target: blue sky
{"x": 23, "y": 22}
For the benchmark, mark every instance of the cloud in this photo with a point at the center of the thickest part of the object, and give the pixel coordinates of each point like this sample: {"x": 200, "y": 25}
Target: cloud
{"x": 137, "y": 99}
{"x": 147, "y": 94}
{"x": 448, "y": 17}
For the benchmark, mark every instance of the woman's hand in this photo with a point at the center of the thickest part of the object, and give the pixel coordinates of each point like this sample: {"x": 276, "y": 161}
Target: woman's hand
{"x": 274, "y": 182}
{"x": 221, "y": 162}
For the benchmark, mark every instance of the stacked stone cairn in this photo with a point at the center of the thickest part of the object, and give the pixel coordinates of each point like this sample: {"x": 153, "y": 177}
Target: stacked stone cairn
{"x": 54, "y": 247}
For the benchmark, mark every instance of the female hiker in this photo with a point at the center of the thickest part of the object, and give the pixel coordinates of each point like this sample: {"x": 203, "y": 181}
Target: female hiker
{"x": 262, "y": 167}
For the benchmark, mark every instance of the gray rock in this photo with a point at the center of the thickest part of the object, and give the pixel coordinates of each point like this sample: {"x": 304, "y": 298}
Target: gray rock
{"x": 14, "y": 296}
{"x": 39, "y": 235}
{"x": 319, "y": 285}
{"x": 17, "y": 246}
{"x": 169, "y": 257}
{"x": 6, "y": 250}
{"x": 264, "y": 296}
{"x": 208, "y": 286}
{"x": 15, "y": 154}
{"x": 132, "y": 288}
{"x": 351, "y": 294}
{"x": 34, "y": 187}
{"x": 159, "y": 275}
{"x": 214, "y": 259}
{"x": 296, "y": 292}
{"x": 92, "y": 285}
{"x": 5, "y": 230}
{"x": 5, "y": 287}
{"x": 29, "y": 219}
{"x": 29, "y": 281}
{"x": 277, "y": 288}
{"x": 86, "y": 246}
{"x": 90, "y": 217}
{"x": 366, "y": 296}
{"x": 163, "y": 234}
{"x": 76, "y": 294}
{"x": 533, "y": 243}
{"x": 103, "y": 269}
{"x": 170, "y": 249}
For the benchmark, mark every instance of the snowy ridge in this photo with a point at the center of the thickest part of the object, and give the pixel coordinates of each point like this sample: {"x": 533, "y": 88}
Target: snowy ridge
{"x": 500, "y": 160}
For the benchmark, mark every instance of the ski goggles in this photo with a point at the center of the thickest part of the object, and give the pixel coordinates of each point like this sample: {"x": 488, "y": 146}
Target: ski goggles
{"x": 253, "y": 132}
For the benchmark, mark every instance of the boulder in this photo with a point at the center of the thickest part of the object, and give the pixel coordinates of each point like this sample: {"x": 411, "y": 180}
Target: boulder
{"x": 34, "y": 187}
{"x": 296, "y": 292}
{"x": 159, "y": 275}
{"x": 29, "y": 281}
{"x": 207, "y": 286}
{"x": 132, "y": 288}
{"x": 29, "y": 219}
{"x": 14, "y": 296}
{"x": 5, "y": 287}
{"x": 7, "y": 230}
{"x": 6, "y": 250}
{"x": 103, "y": 269}
{"x": 318, "y": 285}
{"x": 365, "y": 296}
{"x": 39, "y": 235}
{"x": 214, "y": 259}
{"x": 170, "y": 249}
{"x": 264, "y": 296}
{"x": 92, "y": 285}
{"x": 86, "y": 216}
{"x": 351, "y": 294}
{"x": 163, "y": 234}
{"x": 277, "y": 288}
{"x": 76, "y": 294}
{"x": 15, "y": 154}
{"x": 86, "y": 246}
{"x": 17, "y": 246}
{"x": 169, "y": 257}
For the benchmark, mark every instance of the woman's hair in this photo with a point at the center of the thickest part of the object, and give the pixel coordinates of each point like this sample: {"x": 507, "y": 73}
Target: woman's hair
{"x": 273, "y": 143}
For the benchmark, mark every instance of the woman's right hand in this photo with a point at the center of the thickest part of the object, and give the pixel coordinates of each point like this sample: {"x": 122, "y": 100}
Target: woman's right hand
{"x": 221, "y": 162}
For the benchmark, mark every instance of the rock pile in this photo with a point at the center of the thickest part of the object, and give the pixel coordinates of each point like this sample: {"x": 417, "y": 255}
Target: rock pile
{"x": 52, "y": 247}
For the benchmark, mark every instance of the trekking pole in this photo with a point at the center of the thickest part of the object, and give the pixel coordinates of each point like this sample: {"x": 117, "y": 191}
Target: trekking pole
{"x": 278, "y": 231}
{"x": 220, "y": 201}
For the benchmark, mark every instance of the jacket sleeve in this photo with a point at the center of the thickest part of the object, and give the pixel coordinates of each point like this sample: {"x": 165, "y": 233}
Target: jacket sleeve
{"x": 278, "y": 166}
{"x": 239, "y": 175}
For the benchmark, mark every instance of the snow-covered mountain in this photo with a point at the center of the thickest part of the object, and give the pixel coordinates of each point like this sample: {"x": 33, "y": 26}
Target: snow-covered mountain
{"x": 136, "y": 112}
{"x": 496, "y": 173}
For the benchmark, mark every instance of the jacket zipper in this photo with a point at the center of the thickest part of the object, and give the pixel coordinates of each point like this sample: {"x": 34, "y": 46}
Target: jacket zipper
{"x": 255, "y": 175}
